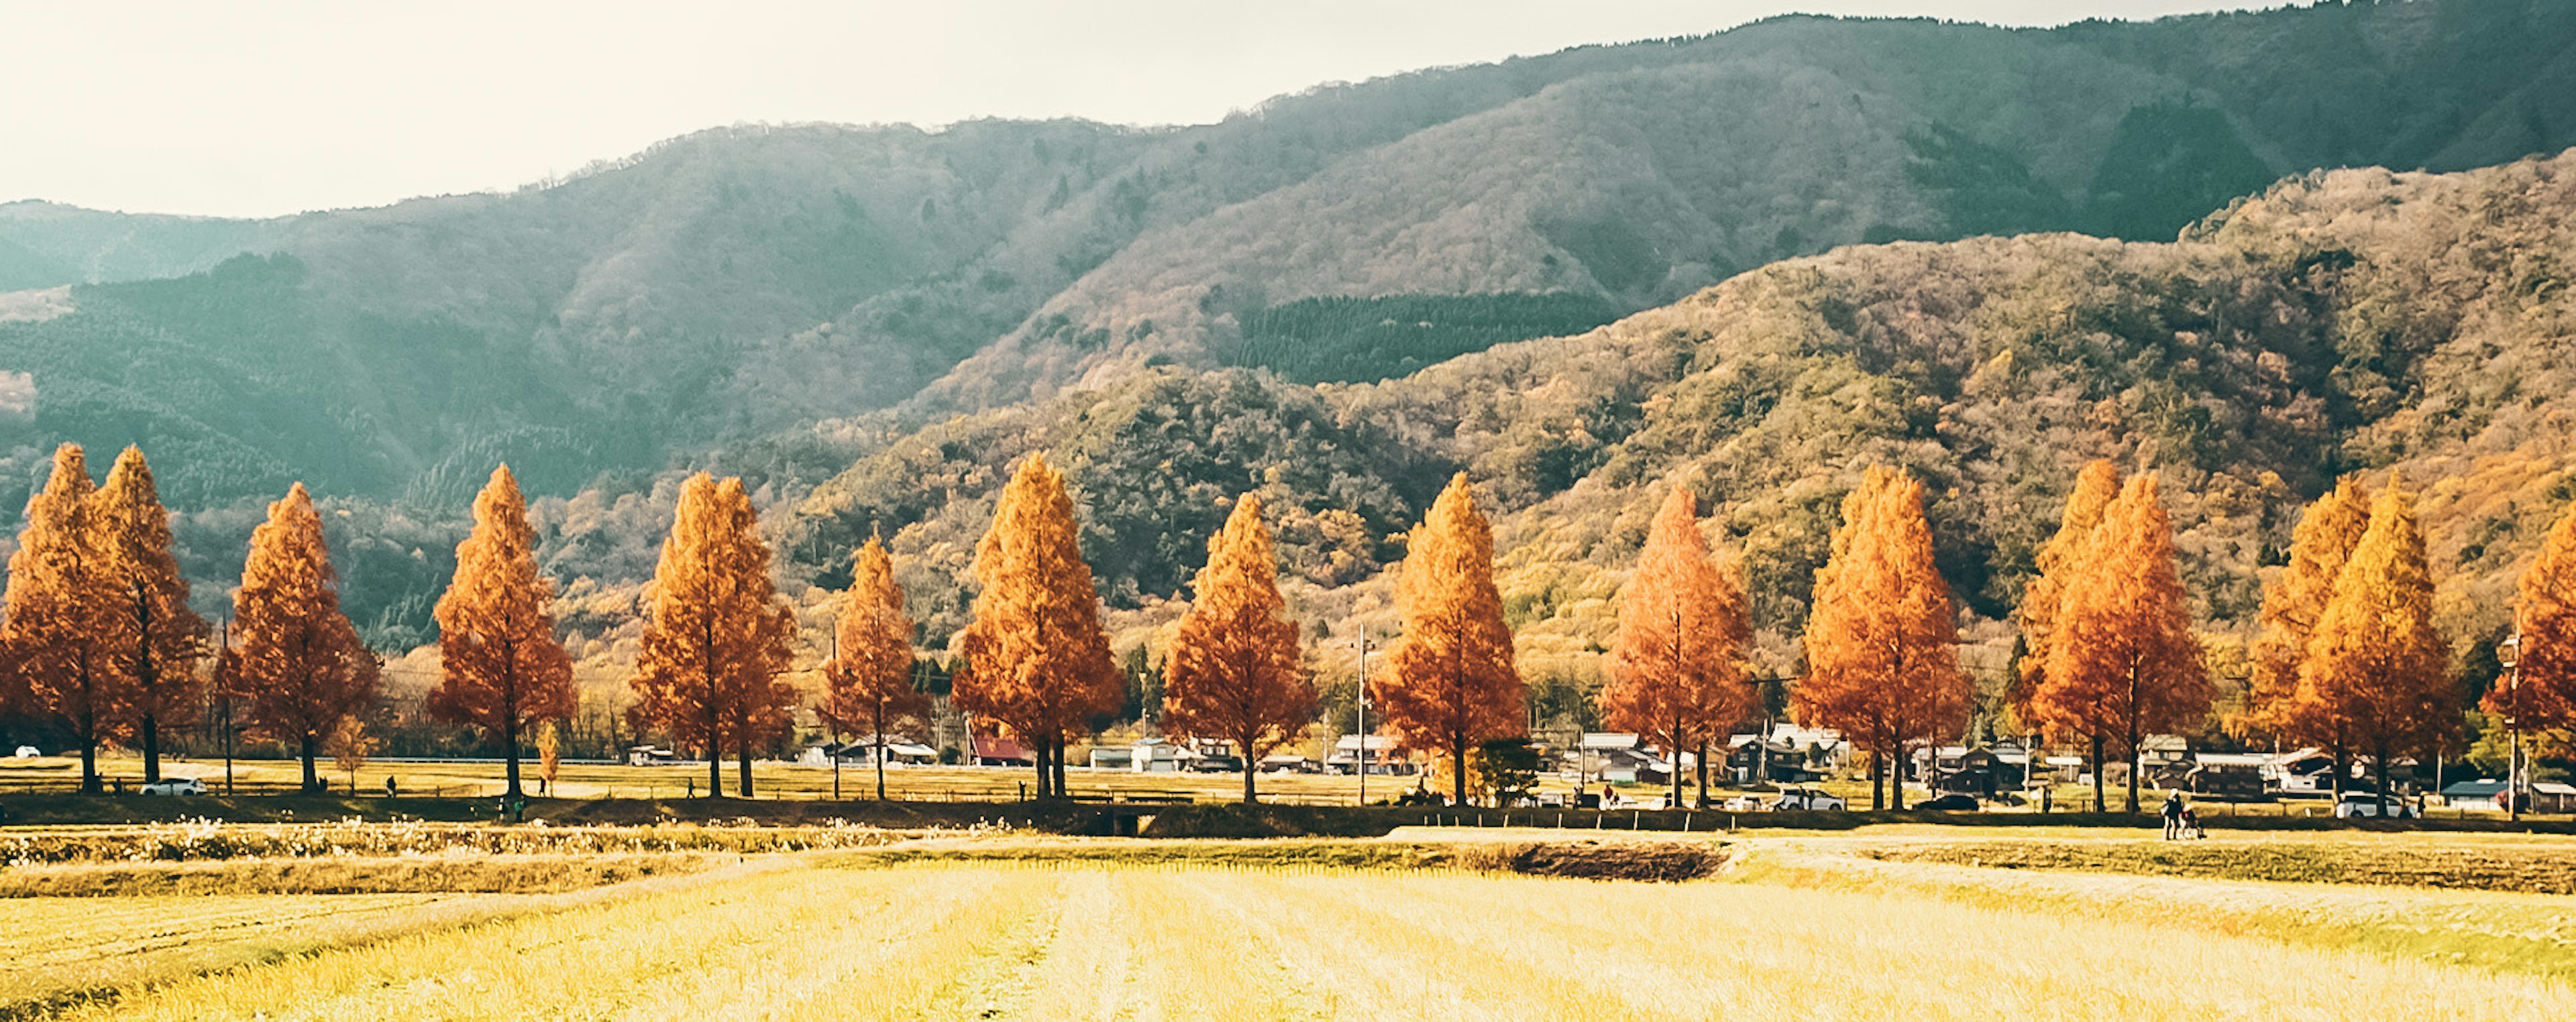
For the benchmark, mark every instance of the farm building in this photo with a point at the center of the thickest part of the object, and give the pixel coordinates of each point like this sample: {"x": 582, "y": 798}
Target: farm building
{"x": 2231, "y": 775}
{"x": 2484, "y": 793}
{"x": 1290, "y": 763}
{"x": 998, "y": 751}
{"x": 1145, "y": 757}
{"x": 1383, "y": 757}
{"x": 862, "y": 752}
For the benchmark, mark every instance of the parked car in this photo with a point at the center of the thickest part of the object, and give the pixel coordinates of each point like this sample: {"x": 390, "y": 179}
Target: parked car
{"x": 176, "y": 786}
{"x": 1952, "y": 802}
{"x": 1807, "y": 798}
{"x": 28, "y": 752}
{"x": 1744, "y": 804}
{"x": 2362, "y": 803}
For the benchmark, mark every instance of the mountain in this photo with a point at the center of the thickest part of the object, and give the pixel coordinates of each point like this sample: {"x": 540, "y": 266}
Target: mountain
{"x": 729, "y": 289}
{"x": 2352, "y": 320}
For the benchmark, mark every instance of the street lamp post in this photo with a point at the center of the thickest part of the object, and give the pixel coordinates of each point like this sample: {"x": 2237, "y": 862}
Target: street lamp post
{"x": 2511, "y": 654}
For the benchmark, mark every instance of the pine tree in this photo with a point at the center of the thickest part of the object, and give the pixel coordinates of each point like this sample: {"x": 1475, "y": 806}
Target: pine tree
{"x": 2375, "y": 666}
{"x": 1234, "y": 672}
{"x": 1882, "y": 645}
{"x": 1035, "y": 660}
{"x": 1451, "y": 681}
{"x": 2122, "y": 661}
{"x": 65, "y": 623}
{"x": 1678, "y": 664}
{"x": 501, "y": 669}
{"x": 2095, "y": 488}
{"x": 163, "y": 639}
{"x": 2543, "y": 695}
{"x": 295, "y": 663}
{"x": 2292, "y": 605}
{"x": 715, "y": 641}
{"x": 870, "y": 673}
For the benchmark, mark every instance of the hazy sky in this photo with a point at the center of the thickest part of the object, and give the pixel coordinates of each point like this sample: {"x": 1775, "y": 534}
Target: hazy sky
{"x": 254, "y": 108}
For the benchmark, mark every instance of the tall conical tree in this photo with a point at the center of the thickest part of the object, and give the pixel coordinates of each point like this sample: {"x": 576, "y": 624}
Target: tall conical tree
{"x": 716, "y": 639}
{"x": 2544, "y": 693}
{"x": 1678, "y": 664}
{"x": 870, "y": 673}
{"x": 163, "y": 639}
{"x": 1035, "y": 660}
{"x": 65, "y": 623}
{"x": 1451, "y": 681}
{"x": 1882, "y": 645}
{"x": 2292, "y": 605}
{"x": 501, "y": 669}
{"x": 2123, "y": 662}
{"x": 1234, "y": 671}
{"x": 296, "y": 663}
{"x": 2095, "y": 488}
{"x": 2375, "y": 665}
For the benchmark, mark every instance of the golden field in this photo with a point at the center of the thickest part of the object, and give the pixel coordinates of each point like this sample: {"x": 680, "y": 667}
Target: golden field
{"x": 1877, "y": 923}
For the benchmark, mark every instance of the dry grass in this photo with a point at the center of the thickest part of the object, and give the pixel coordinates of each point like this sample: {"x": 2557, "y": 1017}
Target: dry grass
{"x": 200, "y": 840}
{"x": 449, "y": 872}
{"x": 1080, "y": 940}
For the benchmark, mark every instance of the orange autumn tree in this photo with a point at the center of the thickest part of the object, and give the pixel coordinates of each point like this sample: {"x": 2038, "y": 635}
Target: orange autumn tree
{"x": 500, "y": 668}
{"x": 1678, "y": 664}
{"x": 2375, "y": 666}
{"x": 1035, "y": 660}
{"x": 870, "y": 673}
{"x": 162, "y": 639}
{"x": 1451, "y": 682}
{"x": 2123, "y": 662}
{"x": 1882, "y": 645}
{"x": 66, "y": 628}
{"x": 295, "y": 663}
{"x": 2544, "y": 695}
{"x": 2095, "y": 488}
{"x": 2292, "y": 605}
{"x": 1233, "y": 669}
{"x": 715, "y": 640}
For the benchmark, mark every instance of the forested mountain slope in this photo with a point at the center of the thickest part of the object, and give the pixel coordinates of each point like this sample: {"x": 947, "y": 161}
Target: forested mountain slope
{"x": 745, "y": 283}
{"x": 2349, "y": 320}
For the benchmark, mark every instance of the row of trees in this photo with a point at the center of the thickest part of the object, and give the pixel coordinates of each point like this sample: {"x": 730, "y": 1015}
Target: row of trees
{"x": 99, "y": 633}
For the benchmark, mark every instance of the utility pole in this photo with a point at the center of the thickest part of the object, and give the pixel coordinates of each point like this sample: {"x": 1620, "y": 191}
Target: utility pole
{"x": 224, "y": 704}
{"x": 1363, "y": 725}
{"x": 2512, "y": 657}
{"x": 834, "y": 746}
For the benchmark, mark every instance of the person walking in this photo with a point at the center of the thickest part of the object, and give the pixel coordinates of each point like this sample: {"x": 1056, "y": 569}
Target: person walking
{"x": 2173, "y": 814}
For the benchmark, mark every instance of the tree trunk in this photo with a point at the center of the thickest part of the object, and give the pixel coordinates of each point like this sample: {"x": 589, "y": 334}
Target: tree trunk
{"x": 1457, "y": 771}
{"x": 2380, "y": 761}
{"x": 1249, "y": 796}
{"x": 1896, "y": 779}
{"x": 745, "y": 760}
{"x": 880, "y": 766}
{"x": 312, "y": 777}
{"x": 1046, "y": 777}
{"x": 2134, "y": 757}
{"x": 1676, "y": 753}
{"x": 1060, "y": 790}
{"x": 2097, "y": 773}
{"x": 151, "y": 749}
{"x": 715, "y": 767}
{"x": 1877, "y": 781}
{"x": 1703, "y": 771}
{"x": 509, "y": 754}
{"x": 2341, "y": 768}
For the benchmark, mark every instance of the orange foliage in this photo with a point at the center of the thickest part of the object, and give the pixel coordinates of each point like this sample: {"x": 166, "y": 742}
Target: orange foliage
{"x": 1234, "y": 672}
{"x": 1678, "y": 665}
{"x": 1035, "y": 660}
{"x": 500, "y": 666}
{"x": 162, "y": 638}
{"x": 2375, "y": 668}
{"x": 1882, "y": 646}
{"x": 2123, "y": 663}
{"x": 870, "y": 673}
{"x": 716, "y": 639}
{"x": 295, "y": 660}
{"x": 2095, "y": 488}
{"x": 1450, "y": 682}
{"x": 2545, "y": 695}
{"x": 64, "y": 625}
{"x": 2292, "y": 606}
